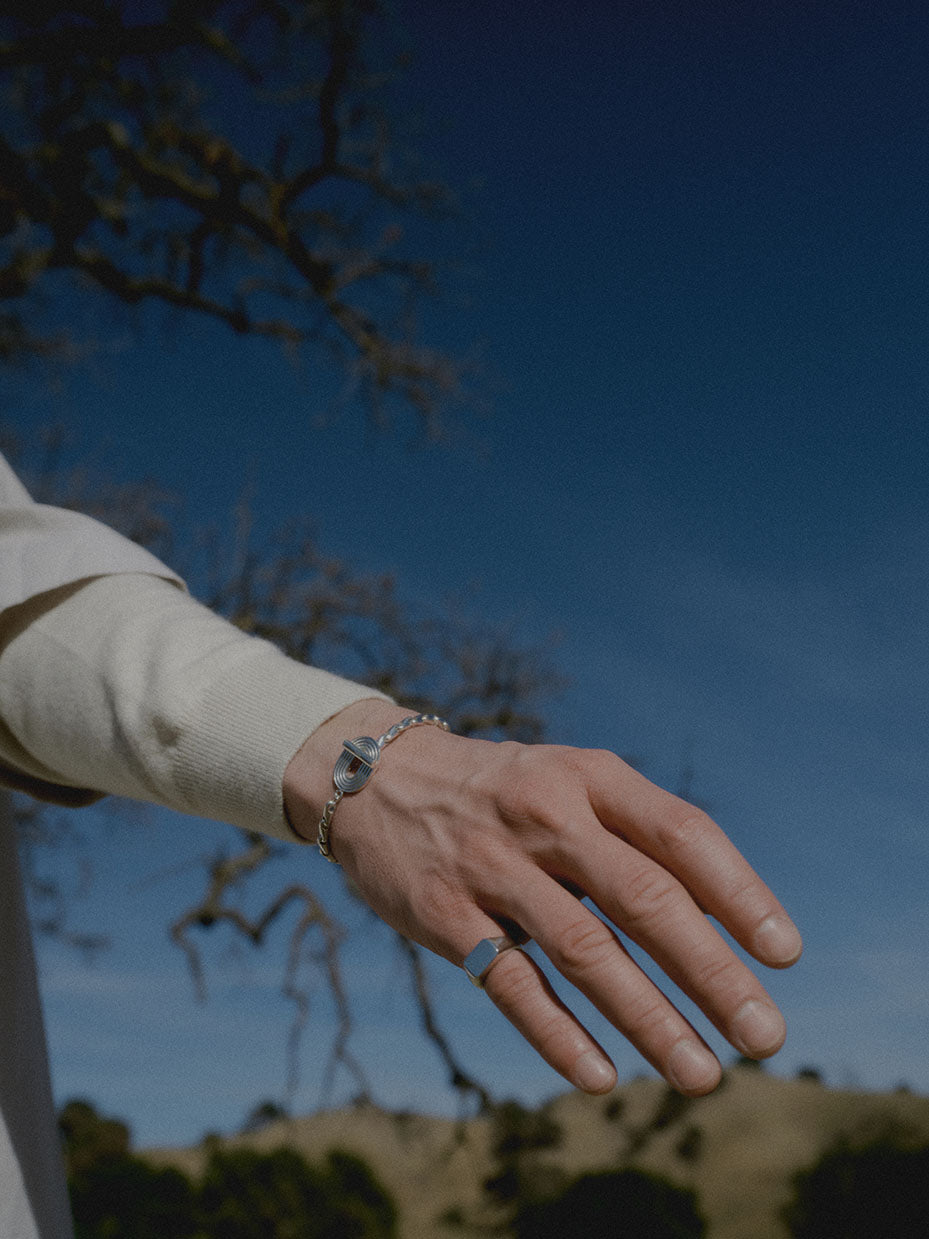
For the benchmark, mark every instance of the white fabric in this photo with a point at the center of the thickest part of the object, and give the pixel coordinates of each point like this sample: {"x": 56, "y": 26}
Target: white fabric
{"x": 42, "y": 547}
{"x": 112, "y": 679}
{"x": 33, "y": 1199}
{"x": 126, "y": 685}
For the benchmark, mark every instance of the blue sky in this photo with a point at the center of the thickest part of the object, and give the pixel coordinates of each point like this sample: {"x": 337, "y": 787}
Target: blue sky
{"x": 696, "y": 242}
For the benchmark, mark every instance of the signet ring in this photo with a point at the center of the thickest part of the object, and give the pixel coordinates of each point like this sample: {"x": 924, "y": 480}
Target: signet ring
{"x": 480, "y": 961}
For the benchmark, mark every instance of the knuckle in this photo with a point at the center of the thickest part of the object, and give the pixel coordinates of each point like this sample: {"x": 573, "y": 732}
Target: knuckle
{"x": 717, "y": 974}
{"x": 601, "y": 763}
{"x": 587, "y": 767}
{"x": 582, "y": 761}
{"x": 537, "y": 790}
{"x": 649, "y": 895}
{"x": 512, "y": 988}
{"x": 682, "y": 829}
{"x": 584, "y": 945}
{"x": 648, "y": 1022}
{"x": 436, "y": 905}
{"x": 742, "y": 897}
{"x": 520, "y": 794}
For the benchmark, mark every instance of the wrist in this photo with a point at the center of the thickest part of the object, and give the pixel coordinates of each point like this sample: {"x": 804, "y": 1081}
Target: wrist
{"x": 307, "y": 784}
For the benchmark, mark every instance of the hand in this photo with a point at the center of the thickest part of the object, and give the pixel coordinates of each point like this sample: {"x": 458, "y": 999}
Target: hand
{"x": 454, "y": 838}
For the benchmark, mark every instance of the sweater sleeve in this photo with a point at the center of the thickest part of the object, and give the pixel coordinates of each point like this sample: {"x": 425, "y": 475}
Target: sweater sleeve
{"x": 43, "y": 547}
{"x": 114, "y": 680}
{"x": 124, "y": 684}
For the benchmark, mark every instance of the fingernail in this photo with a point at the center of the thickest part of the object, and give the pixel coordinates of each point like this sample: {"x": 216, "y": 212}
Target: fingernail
{"x": 691, "y": 1068}
{"x": 777, "y": 940}
{"x": 593, "y": 1073}
{"x": 758, "y": 1029}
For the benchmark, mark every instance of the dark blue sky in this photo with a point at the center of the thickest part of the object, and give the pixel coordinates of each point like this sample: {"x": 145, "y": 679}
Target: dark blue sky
{"x": 695, "y": 243}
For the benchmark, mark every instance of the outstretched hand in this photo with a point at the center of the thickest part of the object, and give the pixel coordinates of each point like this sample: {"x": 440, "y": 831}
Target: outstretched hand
{"x": 454, "y": 840}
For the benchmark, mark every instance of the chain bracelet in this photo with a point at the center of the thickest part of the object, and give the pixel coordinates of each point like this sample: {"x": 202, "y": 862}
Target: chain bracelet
{"x": 356, "y": 763}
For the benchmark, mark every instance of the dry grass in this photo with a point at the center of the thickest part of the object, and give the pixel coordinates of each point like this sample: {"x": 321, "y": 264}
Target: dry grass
{"x": 738, "y": 1148}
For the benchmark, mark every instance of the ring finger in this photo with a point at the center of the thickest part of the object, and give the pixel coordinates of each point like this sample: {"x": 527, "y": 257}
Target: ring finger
{"x": 519, "y": 988}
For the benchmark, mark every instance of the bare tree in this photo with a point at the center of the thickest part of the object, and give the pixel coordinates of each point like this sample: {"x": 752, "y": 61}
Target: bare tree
{"x": 236, "y": 158}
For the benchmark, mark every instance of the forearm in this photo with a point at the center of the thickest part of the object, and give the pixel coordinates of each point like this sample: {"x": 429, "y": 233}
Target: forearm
{"x": 125, "y": 685}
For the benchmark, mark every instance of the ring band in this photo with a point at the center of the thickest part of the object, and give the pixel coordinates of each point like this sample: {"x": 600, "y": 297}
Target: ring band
{"x": 480, "y": 961}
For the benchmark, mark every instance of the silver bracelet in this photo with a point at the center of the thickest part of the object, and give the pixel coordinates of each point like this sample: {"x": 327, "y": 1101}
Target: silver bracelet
{"x": 355, "y": 765}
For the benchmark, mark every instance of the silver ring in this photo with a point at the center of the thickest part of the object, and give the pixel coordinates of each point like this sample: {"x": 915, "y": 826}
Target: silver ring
{"x": 480, "y": 961}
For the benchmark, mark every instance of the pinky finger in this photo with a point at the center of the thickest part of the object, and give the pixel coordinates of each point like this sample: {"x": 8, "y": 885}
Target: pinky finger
{"x": 520, "y": 990}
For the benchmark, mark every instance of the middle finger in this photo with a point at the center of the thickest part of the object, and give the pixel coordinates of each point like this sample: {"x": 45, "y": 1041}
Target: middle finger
{"x": 654, "y": 909}
{"x": 587, "y": 952}
{"x": 658, "y": 913}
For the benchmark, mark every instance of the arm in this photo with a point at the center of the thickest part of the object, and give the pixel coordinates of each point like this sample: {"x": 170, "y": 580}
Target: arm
{"x": 124, "y": 684}
{"x": 454, "y": 840}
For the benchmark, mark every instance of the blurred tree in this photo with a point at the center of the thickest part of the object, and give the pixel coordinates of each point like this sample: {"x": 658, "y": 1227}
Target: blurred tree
{"x": 115, "y": 1195}
{"x": 125, "y": 1198}
{"x": 880, "y": 1188}
{"x": 671, "y": 1110}
{"x": 87, "y": 1136}
{"x": 622, "y": 1204}
{"x": 360, "y": 1208}
{"x": 245, "y": 1194}
{"x": 242, "y": 1193}
{"x": 518, "y": 1135}
{"x": 236, "y": 158}
{"x": 261, "y": 1115}
{"x": 813, "y": 1074}
{"x": 744, "y": 1063}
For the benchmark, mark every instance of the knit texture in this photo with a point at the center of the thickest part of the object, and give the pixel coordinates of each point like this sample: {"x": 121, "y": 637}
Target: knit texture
{"x": 126, "y": 685}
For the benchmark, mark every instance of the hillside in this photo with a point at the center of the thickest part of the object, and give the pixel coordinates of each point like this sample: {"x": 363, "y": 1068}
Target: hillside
{"x": 737, "y": 1148}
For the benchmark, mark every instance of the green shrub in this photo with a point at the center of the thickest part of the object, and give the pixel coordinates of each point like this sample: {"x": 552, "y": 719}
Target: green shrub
{"x": 122, "y": 1197}
{"x": 243, "y": 1194}
{"x": 623, "y": 1204}
{"x": 250, "y": 1195}
{"x": 878, "y": 1191}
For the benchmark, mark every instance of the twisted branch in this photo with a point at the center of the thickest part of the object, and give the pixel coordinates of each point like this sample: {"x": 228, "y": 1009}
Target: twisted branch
{"x": 226, "y": 873}
{"x": 118, "y": 175}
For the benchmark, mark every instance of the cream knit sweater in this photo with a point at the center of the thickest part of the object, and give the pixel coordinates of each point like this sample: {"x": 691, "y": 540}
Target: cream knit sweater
{"x": 113, "y": 679}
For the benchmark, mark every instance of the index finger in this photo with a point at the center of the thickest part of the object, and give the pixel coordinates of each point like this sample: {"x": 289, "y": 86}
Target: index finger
{"x": 688, "y": 844}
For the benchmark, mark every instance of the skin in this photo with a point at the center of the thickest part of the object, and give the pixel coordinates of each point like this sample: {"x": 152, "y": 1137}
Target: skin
{"x": 453, "y": 839}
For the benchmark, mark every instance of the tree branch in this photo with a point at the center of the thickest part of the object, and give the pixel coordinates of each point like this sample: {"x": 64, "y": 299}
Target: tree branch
{"x": 459, "y": 1078}
{"x": 112, "y": 147}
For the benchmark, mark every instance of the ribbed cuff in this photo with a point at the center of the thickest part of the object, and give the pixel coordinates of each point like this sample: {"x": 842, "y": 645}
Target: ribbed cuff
{"x": 247, "y": 726}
